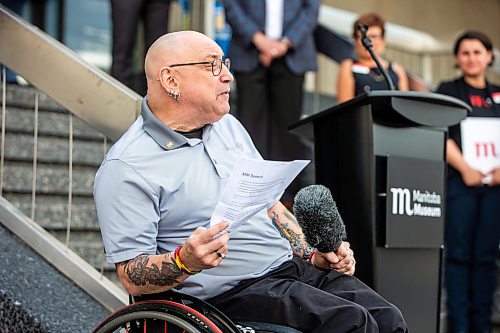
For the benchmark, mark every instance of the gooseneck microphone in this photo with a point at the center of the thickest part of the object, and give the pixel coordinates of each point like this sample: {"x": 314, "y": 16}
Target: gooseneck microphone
{"x": 319, "y": 218}
{"x": 367, "y": 43}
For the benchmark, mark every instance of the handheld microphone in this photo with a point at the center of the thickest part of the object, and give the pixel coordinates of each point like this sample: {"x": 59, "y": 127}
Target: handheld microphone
{"x": 367, "y": 43}
{"x": 319, "y": 218}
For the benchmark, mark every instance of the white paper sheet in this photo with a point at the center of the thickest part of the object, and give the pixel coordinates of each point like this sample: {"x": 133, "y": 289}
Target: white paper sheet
{"x": 253, "y": 186}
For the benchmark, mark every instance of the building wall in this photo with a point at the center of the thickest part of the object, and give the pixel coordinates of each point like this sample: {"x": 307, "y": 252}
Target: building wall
{"x": 443, "y": 18}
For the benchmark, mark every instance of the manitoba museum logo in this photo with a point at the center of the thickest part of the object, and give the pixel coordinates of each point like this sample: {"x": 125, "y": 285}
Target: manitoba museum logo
{"x": 415, "y": 202}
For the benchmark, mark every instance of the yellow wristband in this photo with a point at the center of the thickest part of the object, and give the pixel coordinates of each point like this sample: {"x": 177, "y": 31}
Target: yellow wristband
{"x": 180, "y": 264}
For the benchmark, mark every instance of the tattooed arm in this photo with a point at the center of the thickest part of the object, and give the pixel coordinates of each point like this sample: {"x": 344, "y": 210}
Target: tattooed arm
{"x": 290, "y": 229}
{"x": 148, "y": 274}
{"x": 342, "y": 260}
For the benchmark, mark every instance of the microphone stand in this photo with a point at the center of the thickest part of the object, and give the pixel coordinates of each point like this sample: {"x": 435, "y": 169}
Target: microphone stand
{"x": 367, "y": 43}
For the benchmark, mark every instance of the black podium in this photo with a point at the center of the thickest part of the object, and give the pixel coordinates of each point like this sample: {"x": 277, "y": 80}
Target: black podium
{"x": 382, "y": 154}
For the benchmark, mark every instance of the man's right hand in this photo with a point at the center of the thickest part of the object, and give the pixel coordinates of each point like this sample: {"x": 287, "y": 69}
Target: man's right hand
{"x": 342, "y": 260}
{"x": 202, "y": 251}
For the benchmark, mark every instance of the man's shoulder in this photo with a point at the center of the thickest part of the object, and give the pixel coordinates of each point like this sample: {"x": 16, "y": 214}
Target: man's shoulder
{"x": 123, "y": 157}
{"x": 128, "y": 142}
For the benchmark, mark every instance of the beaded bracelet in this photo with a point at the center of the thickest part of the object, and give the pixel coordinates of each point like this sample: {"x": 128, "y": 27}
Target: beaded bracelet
{"x": 180, "y": 264}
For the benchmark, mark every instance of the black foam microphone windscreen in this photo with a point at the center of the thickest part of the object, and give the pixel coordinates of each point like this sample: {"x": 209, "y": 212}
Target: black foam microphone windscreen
{"x": 319, "y": 218}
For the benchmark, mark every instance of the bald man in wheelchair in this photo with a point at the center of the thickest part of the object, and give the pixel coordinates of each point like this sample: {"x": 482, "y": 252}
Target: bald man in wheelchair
{"x": 156, "y": 190}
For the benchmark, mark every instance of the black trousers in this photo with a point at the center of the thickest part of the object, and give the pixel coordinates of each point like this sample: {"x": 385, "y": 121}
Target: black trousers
{"x": 125, "y": 15}
{"x": 299, "y": 295}
{"x": 270, "y": 99}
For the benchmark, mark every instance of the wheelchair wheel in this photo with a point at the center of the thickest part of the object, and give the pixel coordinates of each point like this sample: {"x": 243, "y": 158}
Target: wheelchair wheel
{"x": 157, "y": 316}
{"x": 209, "y": 311}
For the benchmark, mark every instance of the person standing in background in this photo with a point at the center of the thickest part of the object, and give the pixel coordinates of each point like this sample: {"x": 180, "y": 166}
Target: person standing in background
{"x": 472, "y": 229}
{"x": 272, "y": 46}
{"x": 362, "y": 75}
{"x": 125, "y": 15}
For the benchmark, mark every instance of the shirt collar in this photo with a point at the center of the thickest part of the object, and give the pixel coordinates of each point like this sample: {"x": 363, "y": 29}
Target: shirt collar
{"x": 162, "y": 134}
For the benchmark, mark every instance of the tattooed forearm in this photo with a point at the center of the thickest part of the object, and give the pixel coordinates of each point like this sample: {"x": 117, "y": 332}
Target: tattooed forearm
{"x": 287, "y": 228}
{"x": 308, "y": 251}
{"x": 140, "y": 273}
{"x": 290, "y": 217}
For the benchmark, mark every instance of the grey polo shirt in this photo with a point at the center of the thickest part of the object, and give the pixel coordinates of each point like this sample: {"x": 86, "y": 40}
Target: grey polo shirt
{"x": 155, "y": 187}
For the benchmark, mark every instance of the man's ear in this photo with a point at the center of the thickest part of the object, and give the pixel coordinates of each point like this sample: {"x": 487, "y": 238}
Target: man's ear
{"x": 167, "y": 79}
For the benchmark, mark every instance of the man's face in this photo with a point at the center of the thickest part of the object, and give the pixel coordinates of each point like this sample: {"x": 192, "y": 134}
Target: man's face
{"x": 201, "y": 91}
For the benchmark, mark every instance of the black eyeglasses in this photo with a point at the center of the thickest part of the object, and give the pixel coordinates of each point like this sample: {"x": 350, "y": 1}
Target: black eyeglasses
{"x": 216, "y": 65}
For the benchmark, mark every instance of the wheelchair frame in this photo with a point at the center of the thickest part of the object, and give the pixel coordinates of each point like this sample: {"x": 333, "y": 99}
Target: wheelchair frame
{"x": 177, "y": 312}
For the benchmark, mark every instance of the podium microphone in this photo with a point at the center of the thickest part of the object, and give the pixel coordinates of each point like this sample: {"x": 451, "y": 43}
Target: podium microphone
{"x": 319, "y": 218}
{"x": 367, "y": 43}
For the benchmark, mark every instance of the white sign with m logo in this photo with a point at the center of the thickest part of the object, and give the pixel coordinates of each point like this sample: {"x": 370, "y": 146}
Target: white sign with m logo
{"x": 481, "y": 143}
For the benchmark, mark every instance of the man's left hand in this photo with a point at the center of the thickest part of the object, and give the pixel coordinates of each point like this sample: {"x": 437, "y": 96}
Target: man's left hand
{"x": 342, "y": 260}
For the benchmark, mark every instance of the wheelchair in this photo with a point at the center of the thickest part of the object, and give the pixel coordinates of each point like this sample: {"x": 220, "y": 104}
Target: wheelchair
{"x": 174, "y": 312}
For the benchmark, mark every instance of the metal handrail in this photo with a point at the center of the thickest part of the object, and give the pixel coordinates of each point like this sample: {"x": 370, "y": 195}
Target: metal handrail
{"x": 86, "y": 91}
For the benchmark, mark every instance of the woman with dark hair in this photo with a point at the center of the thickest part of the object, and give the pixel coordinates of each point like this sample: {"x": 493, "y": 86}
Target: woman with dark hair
{"x": 472, "y": 230}
{"x": 362, "y": 75}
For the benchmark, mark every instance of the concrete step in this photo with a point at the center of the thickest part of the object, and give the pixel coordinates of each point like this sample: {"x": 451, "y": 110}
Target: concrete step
{"x": 51, "y": 203}
{"x": 53, "y": 123}
{"x": 24, "y": 97}
{"x": 19, "y": 147}
{"x": 51, "y": 178}
{"x": 51, "y": 211}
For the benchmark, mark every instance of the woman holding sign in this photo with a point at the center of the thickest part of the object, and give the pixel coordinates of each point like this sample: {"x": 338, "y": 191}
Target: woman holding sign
{"x": 472, "y": 231}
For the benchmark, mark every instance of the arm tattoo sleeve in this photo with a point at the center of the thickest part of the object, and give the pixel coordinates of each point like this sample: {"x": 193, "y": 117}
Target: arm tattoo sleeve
{"x": 140, "y": 273}
{"x": 284, "y": 226}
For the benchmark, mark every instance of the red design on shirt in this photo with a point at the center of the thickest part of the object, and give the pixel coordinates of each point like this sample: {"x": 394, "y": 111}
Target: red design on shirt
{"x": 479, "y": 101}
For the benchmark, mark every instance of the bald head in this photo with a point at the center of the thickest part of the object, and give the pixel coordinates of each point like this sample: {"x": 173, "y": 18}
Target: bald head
{"x": 173, "y": 48}
{"x": 188, "y": 95}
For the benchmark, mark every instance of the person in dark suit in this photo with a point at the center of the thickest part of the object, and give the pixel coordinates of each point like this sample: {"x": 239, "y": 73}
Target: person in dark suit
{"x": 271, "y": 49}
{"x": 125, "y": 16}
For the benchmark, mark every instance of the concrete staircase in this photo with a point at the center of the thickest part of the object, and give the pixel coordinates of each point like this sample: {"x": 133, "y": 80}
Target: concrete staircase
{"x": 52, "y": 175}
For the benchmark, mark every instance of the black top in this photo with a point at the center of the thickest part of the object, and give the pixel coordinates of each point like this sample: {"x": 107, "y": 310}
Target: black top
{"x": 484, "y": 103}
{"x": 367, "y": 79}
{"x": 194, "y": 134}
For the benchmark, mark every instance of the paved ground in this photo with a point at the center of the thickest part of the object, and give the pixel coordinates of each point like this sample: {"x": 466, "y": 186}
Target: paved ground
{"x": 44, "y": 294}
